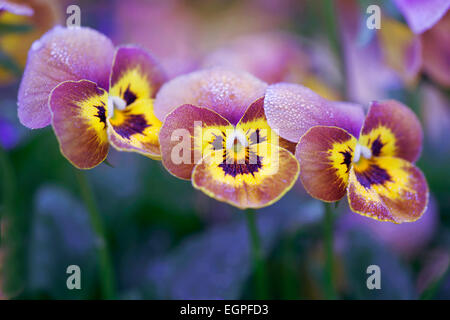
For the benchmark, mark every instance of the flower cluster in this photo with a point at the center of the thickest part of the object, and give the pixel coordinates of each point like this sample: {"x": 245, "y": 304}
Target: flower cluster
{"x": 237, "y": 139}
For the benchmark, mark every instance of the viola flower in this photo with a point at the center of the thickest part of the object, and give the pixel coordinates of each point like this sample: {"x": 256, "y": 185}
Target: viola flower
{"x": 92, "y": 94}
{"x": 375, "y": 169}
{"x": 231, "y": 153}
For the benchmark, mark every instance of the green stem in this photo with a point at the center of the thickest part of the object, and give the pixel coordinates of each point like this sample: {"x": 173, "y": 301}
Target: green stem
{"x": 432, "y": 289}
{"x": 106, "y": 269}
{"x": 259, "y": 266}
{"x": 8, "y": 186}
{"x": 330, "y": 290}
{"x": 332, "y": 30}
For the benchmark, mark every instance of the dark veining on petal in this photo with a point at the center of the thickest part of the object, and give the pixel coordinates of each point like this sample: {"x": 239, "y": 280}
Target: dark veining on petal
{"x": 347, "y": 158}
{"x": 129, "y": 96}
{"x": 101, "y": 114}
{"x": 133, "y": 124}
{"x": 376, "y": 146}
{"x": 373, "y": 175}
{"x": 255, "y": 137}
{"x": 248, "y": 167}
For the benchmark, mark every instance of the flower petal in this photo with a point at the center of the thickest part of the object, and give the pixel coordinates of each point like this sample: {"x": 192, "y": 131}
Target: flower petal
{"x": 325, "y": 155}
{"x": 422, "y": 15}
{"x": 226, "y": 92}
{"x": 184, "y": 136}
{"x": 248, "y": 185}
{"x": 61, "y": 54}
{"x": 293, "y": 109}
{"x": 255, "y": 117}
{"x": 79, "y": 119}
{"x": 135, "y": 75}
{"x": 392, "y": 129}
{"x": 136, "y": 129}
{"x": 387, "y": 189}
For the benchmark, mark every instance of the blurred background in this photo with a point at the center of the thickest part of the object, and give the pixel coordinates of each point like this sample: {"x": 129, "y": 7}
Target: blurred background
{"x": 168, "y": 241}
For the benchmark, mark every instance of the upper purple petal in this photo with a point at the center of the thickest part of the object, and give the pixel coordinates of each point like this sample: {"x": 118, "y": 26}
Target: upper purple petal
{"x": 227, "y": 92}
{"x": 422, "y": 15}
{"x": 293, "y": 109}
{"x": 61, "y": 54}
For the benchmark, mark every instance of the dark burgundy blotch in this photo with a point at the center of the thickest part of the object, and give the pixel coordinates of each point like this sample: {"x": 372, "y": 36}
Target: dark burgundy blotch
{"x": 373, "y": 175}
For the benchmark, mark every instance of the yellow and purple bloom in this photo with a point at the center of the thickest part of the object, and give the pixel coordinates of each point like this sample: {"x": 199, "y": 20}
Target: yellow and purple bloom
{"x": 376, "y": 169}
{"x": 93, "y": 95}
{"x": 340, "y": 152}
{"x": 231, "y": 153}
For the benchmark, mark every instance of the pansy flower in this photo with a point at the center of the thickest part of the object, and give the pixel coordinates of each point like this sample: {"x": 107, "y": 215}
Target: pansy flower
{"x": 215, "y": 133}
{"x": 340, "y": 152}
{"x": 92, "y": 94}
{"x": 374, "y": 169}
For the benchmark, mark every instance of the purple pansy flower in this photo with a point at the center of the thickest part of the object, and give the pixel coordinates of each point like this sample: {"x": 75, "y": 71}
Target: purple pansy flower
{"x": 230, "y": 153}
{"x": 422, "y": 15}
{"x": 371, "y": 162}
{"x": 92, "y": 94}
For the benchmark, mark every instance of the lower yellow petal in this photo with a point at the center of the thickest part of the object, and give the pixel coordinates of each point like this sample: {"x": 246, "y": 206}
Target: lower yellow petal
{"x": 248, "y": 184}
{"x": 387, "y": 189}
{"x": 136, "y": 129}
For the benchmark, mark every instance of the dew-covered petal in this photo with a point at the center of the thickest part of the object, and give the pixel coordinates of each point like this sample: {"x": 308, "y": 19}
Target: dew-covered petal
{"x": 392, "y": 129}
{"x": 61, "y": 54}
{"x": 186, "y": 133}
{"x": 135, "y": 74}
{"x": 387, "y": 189}
{"x": 254, "y": 121}
{"x": 227, "y": 92}
{"x": 325, "y": 155}
{"x": 422, "y": 15}
{"x": 293, "y": 109}
{"x": 79, "y": 110}
{"x": 245, "y": 185}
{"x": 247, "y": 167}
{"x": 136, "y": 129}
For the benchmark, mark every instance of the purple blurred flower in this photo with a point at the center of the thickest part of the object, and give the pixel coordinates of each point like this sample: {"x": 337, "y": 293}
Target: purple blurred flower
{"x": 183, "y": 33}
{"x": 368, "y": 75}
{"x": 422, "y": 15}
{"x": 9, "y": 134}
{"x": 272, "y": 57}
{"x": 167, "y": 28}
{"x": 435, "y": 111}
{"x": 436, "y": 51}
